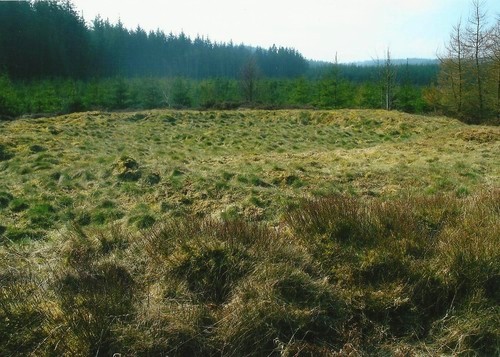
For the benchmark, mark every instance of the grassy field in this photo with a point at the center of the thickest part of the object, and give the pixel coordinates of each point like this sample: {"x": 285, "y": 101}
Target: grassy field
{"x": 96, "y": 168}
{"x": 337, "y": 233}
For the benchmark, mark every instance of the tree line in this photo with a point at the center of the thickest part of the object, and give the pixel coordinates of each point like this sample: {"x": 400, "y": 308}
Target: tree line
{"x": 116, "y": 93}
{"x": 51, "y": 61}
{"x": 41, "y": 39}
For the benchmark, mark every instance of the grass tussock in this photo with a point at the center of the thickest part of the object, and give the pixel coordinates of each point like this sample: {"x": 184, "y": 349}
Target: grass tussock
{"x": 244, "y": 164}
{"x": 341, "y": 276}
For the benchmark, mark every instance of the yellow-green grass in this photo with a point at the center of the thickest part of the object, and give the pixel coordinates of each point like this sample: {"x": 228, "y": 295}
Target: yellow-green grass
{"x": 252, "y": 164}
{"x": 316, "y": 233}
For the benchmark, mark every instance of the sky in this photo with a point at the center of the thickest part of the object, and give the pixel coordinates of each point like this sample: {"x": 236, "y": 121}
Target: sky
{"x": 356, "y": 30}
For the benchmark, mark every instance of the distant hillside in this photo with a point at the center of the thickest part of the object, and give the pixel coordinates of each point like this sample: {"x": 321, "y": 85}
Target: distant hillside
{"x": 399, "y": 61}
{"x": 373, "y": 62}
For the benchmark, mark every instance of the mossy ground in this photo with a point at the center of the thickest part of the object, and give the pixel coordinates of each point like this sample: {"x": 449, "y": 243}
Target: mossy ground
{"x": 333, "y": 233}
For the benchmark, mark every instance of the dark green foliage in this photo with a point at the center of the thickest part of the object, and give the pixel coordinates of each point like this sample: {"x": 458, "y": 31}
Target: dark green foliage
{"x": 180, "y": 94}
{"x": 125, "y": 67}
{"x": 42, "y": 215}
{"x": 107, "y": 204}
{"x": 15, "y": 234}
{"x": 49, "y": 38}
{"x": 177, "y": 172}
{"x": 153, "y": 178}
{"x": 37, "y": 148}
{"x": 257, "y": 181}
{"x": 5, "y": 199}
{"x": 101, "y": 216}
{"x": 18, "y": 205}
{"x": 151, "y": 95}
{"x": 83, "y": 218}
{"x": 119, "y": 94}
{"x": 143, "y": 221}
{"x": 73, "y": 105}
{"x": 291, "y": 179}
{"x": 5, "y": 154}
{"x": 45, "y": 38}
{"x": 136, "y": 117}
{"x": 65, "y": 96}
{"x": 10, "y": 105}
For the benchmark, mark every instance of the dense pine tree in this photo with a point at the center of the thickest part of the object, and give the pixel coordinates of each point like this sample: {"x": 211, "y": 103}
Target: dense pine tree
{"x": 48, "y": 38}
{"x": 52, "y": 61}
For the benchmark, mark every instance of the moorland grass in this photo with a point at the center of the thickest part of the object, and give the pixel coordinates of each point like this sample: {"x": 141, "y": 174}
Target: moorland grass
{"x": 256, "y": 161}
{"x": 375, "y": 277}
{"x": 249, "y": 233}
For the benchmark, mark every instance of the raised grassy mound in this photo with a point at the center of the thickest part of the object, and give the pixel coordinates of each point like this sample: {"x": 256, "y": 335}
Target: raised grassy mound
{"x": 97, "y": 168}
{"x": 249, "y": 233}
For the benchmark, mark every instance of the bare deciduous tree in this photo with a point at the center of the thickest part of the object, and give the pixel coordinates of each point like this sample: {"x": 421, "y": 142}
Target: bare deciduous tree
{"x": 494, "y": 51}
{"x": 470, "y": 68}
{"x": 452, "y": 67}
{"x": 477, "y": 40}
{"x": 389, "y": 78}
{"x": 249, "y": 75}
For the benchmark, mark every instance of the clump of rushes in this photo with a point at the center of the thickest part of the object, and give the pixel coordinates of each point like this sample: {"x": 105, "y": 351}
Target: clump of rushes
{"x": 374, "y": 276}
{"x": 42, "y": 215}
{"x": 5, "y": 154}
{"x": 5, "y": 198}
{"x": 18, "y": 205}
{"x": 143, "y": 221}
{"x": 153, "y": 178}
{"x": 37, "y": 148}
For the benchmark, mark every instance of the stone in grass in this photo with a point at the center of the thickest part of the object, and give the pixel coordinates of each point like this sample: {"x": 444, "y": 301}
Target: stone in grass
{"x": 127, "y": 169}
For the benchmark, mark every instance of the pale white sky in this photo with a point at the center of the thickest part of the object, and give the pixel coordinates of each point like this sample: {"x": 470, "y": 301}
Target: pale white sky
{"x": 355, "y": 29}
